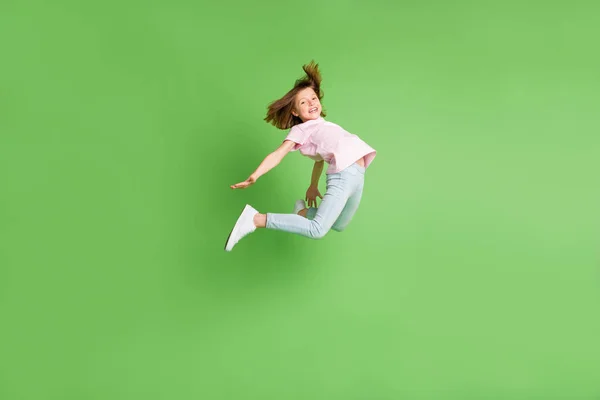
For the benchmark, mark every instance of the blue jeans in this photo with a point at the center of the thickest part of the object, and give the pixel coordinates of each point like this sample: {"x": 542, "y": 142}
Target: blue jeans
{"x": 340, "y": 202}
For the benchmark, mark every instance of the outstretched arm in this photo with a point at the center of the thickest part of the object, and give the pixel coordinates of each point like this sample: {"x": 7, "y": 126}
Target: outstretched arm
{"x": 267, "y": 164}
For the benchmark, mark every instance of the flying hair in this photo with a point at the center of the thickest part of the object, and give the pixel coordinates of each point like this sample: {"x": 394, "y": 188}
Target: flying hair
{"x": 279, "y": 112}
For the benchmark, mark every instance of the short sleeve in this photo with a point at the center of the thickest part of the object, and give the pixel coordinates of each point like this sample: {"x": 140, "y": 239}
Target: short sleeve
{"x": 296, "y": 135}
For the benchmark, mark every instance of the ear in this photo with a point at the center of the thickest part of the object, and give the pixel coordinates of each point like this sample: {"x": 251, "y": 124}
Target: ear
{"x": 294, "y": 113}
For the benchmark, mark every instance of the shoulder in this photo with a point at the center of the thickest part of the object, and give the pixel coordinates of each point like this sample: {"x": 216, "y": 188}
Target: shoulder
{"x": 296, "y": 128}
{"x": 287, "y": 146}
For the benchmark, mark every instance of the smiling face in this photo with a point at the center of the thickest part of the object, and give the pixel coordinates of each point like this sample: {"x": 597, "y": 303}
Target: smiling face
{"x": 307, "y": 105}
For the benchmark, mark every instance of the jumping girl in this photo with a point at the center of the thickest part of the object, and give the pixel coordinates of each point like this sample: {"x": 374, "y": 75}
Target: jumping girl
{"x": 322, "y": 141}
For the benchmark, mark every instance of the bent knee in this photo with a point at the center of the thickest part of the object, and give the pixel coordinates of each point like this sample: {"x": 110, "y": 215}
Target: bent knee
{"x": 317, "y": 232}
{"x": 338, "y": 228}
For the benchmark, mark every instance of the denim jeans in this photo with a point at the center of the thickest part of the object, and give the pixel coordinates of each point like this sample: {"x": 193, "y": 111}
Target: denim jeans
{"x": 340, "y": 202}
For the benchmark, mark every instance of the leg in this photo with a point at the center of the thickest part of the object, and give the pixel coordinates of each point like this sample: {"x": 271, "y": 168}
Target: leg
{"x": 351, "y": 205}
{"x": 331, "y": 207}
{"x": 260, "y": 220}
{"x": 348, "y": 212}
{"x": 346, "y": 215}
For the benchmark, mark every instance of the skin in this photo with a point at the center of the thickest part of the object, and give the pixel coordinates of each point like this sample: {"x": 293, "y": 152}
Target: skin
{"x": 305, "y": 101}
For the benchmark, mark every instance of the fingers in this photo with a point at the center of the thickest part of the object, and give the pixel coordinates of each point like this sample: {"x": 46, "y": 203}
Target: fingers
{"x": 243, "y": 184}
{"x": 240, "y": 185}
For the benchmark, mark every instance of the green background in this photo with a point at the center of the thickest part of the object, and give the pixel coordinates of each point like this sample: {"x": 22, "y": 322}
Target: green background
{"x": 469, "y": 272}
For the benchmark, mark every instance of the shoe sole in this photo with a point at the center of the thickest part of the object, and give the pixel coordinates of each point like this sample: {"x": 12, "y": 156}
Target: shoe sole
{"x": 296, "y": 211}
{"x": 235, "y": 227}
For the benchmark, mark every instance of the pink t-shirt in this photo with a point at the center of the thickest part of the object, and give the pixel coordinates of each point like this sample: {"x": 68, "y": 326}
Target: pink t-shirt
{"x": 323, "y": 140}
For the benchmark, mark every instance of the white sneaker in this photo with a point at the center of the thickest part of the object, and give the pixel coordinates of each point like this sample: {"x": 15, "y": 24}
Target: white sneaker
{"x": 299, "y": 205}
{"x": 243, "y": 226}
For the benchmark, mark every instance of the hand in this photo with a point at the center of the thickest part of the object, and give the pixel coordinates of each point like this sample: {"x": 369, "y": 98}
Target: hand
{"x": 311, "y": 196}
{"x": 245, "y": 184}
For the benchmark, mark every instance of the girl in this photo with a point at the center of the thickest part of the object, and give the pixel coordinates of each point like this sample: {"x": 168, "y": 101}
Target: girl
{"x": 322, "y": 141}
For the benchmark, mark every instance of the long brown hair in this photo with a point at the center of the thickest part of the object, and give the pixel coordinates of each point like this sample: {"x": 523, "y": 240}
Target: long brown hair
{"x": 280, "y": 111}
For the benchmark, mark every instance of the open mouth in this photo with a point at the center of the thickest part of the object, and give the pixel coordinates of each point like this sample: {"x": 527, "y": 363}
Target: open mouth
{"x": 313, "y": 110}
